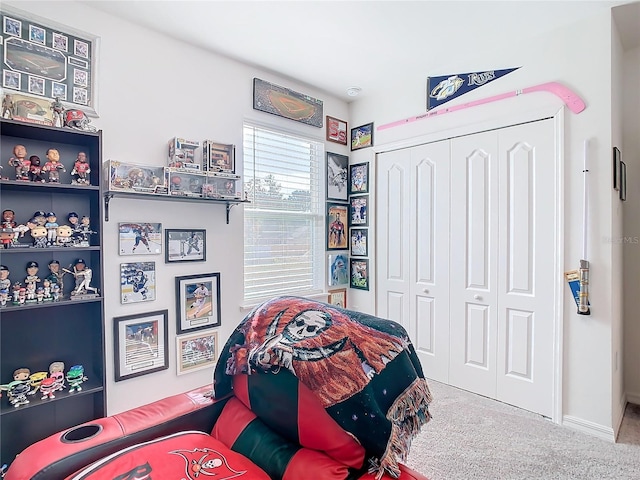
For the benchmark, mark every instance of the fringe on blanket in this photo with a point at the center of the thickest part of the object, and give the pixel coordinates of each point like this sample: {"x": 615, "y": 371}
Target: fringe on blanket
{"x": 409, "y": 412}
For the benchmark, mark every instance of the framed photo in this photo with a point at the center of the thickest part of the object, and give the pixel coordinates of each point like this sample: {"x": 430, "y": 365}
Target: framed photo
{"x": 196, "y": 352}
{"x": 40, "y": 53}
{"x": 359, "y": 211}
{"x": 616, "y": 168}
{"x": 137, "y": 282}
{"x": 337, "y": 177}
{"x": 362, "y": 136}
{"x": 359, "y": 273}
{"x": 359, "y": 242}
{"x": 336, "y": 130}
{"x": 286, "y": 103}
{"x": 141, "y": 344}
{"x": 185, "y": 245}
{"x": 338, "y": 270}
{"x": 336, "y": 228}
{"x": 338, "y": 297}
{"x": 139, "y": 238}
{"x": 198, "y": 302}
{"x": 359, "y": 178}
{"x": 623, "y": 181}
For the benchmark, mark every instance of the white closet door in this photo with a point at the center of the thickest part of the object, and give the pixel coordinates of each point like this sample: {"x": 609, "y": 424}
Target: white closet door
{"x": 413, "y": 246}
{"x": 474, "y": 252}
{"x": 526, "y": 264}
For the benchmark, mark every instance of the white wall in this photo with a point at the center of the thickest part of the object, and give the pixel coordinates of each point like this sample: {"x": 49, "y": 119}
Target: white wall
{"x": 578, "y": 56}
{"x": 151, "y": 89}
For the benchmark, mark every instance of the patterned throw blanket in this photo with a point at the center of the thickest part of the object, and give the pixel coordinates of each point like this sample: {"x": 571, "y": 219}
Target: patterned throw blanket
{"x": 362, "y": 369}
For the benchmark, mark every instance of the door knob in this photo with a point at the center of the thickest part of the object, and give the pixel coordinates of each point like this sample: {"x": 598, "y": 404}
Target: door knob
{"x": 477, "y": 297}
{"x": 426, "y": 290}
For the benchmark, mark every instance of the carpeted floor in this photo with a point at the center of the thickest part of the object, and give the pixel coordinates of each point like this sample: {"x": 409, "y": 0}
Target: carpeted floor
{"x": 472, "y": 438}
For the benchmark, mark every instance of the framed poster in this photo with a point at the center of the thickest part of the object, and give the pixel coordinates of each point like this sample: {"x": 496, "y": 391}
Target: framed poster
{"x": 286, "y": 103}
{"x": 198, "y": 302}
{"x": 338, "y": 269}
{"x": 359, "y": 178}
{"x": 359, "y": 242}
{"x": 185, "y": 245}
{"x": 359, "y": 273}
{"x": 336, "y": 228}
{"x": 139, "y": 238}
{"x": 336, "y": 130}
{"x": 362, "y": 136}
{"x": 337, "y": 177}
{"x": 359, "y": 211}
{"x": 338, "y": 297}
{"x": 197, "y": 351}
{"x": 137, "y": 282}
{"x": 48, "y": 60}
{"x": 141, "y": 344}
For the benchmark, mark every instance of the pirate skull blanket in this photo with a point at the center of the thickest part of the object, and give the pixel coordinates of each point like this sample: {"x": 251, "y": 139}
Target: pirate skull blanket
{"x": 363, "y": 370}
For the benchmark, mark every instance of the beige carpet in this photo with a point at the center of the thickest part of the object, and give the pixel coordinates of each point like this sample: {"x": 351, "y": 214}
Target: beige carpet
{"x": 473, "y": 438}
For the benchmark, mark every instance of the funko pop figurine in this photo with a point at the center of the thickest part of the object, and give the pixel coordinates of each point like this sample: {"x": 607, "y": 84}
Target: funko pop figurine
{"x": 20, "y": 162}
{"x": 5, "y": 285}
{"x": 18, "y": 393}
{"x": 81, "y": 170}
{"x": 54, "y": 166}
{"x": 8, "y": 218}
{"x": 56, "y": 372}
{"x": 39, "y": 235}
{"x": 7, "y": 237}
{"x": 64, "y": 235}
{"x": 75, "y": 378}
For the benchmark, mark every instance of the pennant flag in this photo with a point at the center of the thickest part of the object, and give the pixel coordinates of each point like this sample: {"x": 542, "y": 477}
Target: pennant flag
{"x": 447, "y": 87}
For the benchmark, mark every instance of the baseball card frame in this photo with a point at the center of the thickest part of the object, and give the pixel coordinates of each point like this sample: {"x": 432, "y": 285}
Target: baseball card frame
{"x": 197, "y": 302}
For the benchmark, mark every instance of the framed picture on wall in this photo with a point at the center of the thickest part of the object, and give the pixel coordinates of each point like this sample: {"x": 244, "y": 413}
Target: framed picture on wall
{"x": 138, "y": 238}
{"x": 337, "y": 177}
{"x": 281, "y": 101}
{"x": 197, "y": 351}
{"x": 359, "y": 178}
{"x": 359, "y": 273}
{"x": 337, "y": 214}
{"x": 362, "y": 136}
{"x": 359, "y": 242}
{"x": 198, "y": 302}
{"x": 338, "y": 269}
{"x": 141, "y": 344}
{"x": 338, "y": 297}
{"x": 359, "y": 211}
{"x": 336, "y": 130}
{"x": 137, "y": 282}
{"x": 185, "y": 245}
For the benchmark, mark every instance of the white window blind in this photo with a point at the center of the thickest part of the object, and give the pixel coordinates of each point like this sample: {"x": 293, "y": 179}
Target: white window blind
{"x": 284, "y": 223}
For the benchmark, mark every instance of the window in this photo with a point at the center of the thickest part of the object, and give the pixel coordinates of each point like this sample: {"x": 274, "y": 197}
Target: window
{"x": 284, "y": 223}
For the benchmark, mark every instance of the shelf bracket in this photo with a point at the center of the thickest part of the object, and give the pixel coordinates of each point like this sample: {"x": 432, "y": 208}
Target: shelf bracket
{"x": 229, "y": 207}
{"x": 107, "y": 198}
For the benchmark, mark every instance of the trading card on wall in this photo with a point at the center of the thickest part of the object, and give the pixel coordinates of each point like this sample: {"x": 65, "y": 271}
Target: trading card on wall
{"x": 137, "y": 282}
{"x": 338, "y": 270}
{"x": 140, "y": 238}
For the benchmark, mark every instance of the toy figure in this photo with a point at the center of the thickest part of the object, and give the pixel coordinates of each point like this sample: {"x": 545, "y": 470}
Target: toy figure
{"x": 7, "y": 106}
{"x": 7, "y": 237}
{"x": 31, "y": 281}
{"x": 35, "y": 170}
{"x": 46, "y": 286}
{"x": 39, "y": 235}
{"x": 51, "y": 225}
{"x": 15, "y": 293}
{"x": 20, "y": 162}
{"x": 56, "y": 277}
{"x": 77, "y": 119}
{"x": 8, "y": 218}
{"x": 35, "y": 380}
{"x": 40, "y": 218}
{"x": 83, "y": 275}
{"x": 54, "y": 165}
{"x": 58, "y": 112}
{"x": 40, "y": 294}
{"x": 5, "y": 285}
{"x": 81, "y": 170}
{"x": 56, "y": 371}
{"x": 22, "y": 296}
{"x": 48, "y": 387}
{"x": 85, "y": 231}
{"x": 18, "y": 393}
{"x": 75, "y": 377}
{"x": 56, "y": 292}
{"x": 63, "y": 236}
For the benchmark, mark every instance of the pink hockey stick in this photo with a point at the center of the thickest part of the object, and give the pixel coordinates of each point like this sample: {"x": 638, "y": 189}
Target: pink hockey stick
{"x": 571, "y": 100}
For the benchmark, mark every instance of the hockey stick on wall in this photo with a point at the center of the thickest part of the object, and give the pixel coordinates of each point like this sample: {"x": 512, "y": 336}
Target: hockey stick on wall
{"x": 583, "y": 294}
{"x": 570, "y": 99}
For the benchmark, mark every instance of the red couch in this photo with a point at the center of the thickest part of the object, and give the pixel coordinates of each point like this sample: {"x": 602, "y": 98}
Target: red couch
{"x": 191, "y": 436}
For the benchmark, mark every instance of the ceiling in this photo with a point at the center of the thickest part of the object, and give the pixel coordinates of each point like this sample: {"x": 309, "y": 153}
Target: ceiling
{"x": 334, "y": 45}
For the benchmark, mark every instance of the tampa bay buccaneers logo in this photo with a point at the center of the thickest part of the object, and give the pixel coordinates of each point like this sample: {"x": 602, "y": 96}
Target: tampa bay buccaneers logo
{"x": 207, "y": 463}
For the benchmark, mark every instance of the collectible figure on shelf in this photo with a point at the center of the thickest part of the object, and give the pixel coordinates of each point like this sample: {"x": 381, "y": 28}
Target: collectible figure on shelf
{"x": 52, "y": 227}
{"x": 7, "y": 106}
{"x": 58, "y": 112}
{"x": 56, "y": 277}
{"x": 182, "y": 154}
{"x": 5, "y": 285}
{"x": 8, "y": 218}
{"x": 35, "y": 380}
{"x": 39, "y": 218}
{"x": 56, "y": 292}
{"x": 84, "y": 231}
{"x": 83, "y": 275}
{"x": 56, "y": 371}
{"x": 75, "y": 378}
{"x": 15, "y": 293}
{"x": 47, "y": 388}
{"x": 20, "y": 162}
{"x": 46, "y": 286}
{"x": 81, "y": 170}
{"x": 31, "y": 281}
{"x": 78, "y": 120}
{"x": 17, "y": 393}
{"x": 35, "y": 169}
{"x": 39, "y": 235}
{"x": 54, "y": 166}
{"x": 64, "y": 234}
{"x": 7, "y": 237}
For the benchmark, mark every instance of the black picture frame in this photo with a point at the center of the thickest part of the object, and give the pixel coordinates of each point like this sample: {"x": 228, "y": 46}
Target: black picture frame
{"x": 337, "y": 226}
{"x": 141, "y": 344}
{"x": 185, "y": 245}
{"x": 359, "y": 242}
{"x": 362, "y": 136}
{"x": 197, "y": 302}
{"x": 337, "y": 176}
{"x": 277, "y": 100}
{"x": 359, "y": 273}
{"x": 616, "y": 168}
{"x": 623, "y": 181}
{"x": 359, "y": 178}
{"x": 359, "y": 211}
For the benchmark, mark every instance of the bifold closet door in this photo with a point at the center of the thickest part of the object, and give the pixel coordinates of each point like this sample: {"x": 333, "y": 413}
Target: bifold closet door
{"x": 413, "y": 249}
